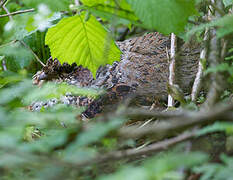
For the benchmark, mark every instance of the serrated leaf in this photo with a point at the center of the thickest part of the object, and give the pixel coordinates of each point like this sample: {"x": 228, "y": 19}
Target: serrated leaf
{"x": 164, "y": 16}
{"x": 112, "y": 10}
{"x": 85, "y": 42}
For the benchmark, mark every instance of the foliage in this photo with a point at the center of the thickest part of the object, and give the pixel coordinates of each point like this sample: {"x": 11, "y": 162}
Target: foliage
{"x": 55, "y": 143}
{"x": 85, "y": 42}
{"x": 216, "y": 171}
{"x": 165, "y": 16}
{"x": 163, "y": 166}
{"x": 60, "y": 5}
{"x": 223, "y": 24}
{"x": 114, "y": 11}
{"x": 217, "y": 127}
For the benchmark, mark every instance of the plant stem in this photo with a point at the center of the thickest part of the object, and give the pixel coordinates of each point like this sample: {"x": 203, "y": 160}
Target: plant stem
{"x": 172, "y": 67}
{"x": 17, "y": 12}
{"x": 8, "y": 12}
{"x": 197, "y": 82}
{"x": 2, "y": 3}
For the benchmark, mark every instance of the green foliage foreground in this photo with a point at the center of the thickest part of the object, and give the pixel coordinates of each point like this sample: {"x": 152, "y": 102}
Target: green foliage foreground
{"x": 54, "y": 143}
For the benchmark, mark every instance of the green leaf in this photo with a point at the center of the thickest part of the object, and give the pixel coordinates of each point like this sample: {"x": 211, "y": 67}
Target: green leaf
{"x": 224, "y": 25}
{"x": 227, "y": 2}
{"x": 176, "y": 92}
{"x": 85, "y": 42}
{"x": 16, "y": 91}
{"x": 223, "y": 67}
{"x": 52, "y": 90}
{"x": 165, "y": 16}
{"x": 97, "y": 131}
{"x": 92, "y": 3}
{"x": 17, "y": 56}
{"x": 58, "y": 6}
{"x": 216, "y": 127}
{"x": 117, "y": 11}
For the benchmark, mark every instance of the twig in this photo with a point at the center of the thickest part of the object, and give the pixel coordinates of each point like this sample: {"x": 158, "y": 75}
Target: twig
{"x": 118, "y": 155}
{"x": 224, "y": 49}
{"x": 4, "y": 65}
{"x": 2, "y": 3}
{"x": 8, "y": 12}
{"x": 17, "y": 12}
{"x": 9, "y": 43}
{"x": 197, "y": 82}
{"x": 37, "y": 58}
{"x": 142, "y": 114}
{"x": 109, "y": 157}
{"x": 216, "y": 8}
{"x": 179, "y": 124}
{"x": 194, "y": 22}
{"x": 172, "y": 68}
{"x": 217, "y": 81}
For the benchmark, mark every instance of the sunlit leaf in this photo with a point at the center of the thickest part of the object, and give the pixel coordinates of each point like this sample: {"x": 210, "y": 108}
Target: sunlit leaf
{"x": 85, "y": 42}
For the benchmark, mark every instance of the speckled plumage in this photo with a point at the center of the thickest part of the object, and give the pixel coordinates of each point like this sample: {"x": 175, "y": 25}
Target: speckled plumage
{"x": 143, "y": 68}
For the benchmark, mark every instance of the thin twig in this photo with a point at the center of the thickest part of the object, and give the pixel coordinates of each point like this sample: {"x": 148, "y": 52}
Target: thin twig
{"x": 9, "y": 43}
{"x": 172, "y": 68}
{"x": 8, "y": 12}
{"x": 197, "y": 82}
{"x": 179, "y": 124}
{"x": 194, "y": 22}
{"x": 109, "y": 157}
{"x": 2, "y": 3}
{"x": 4, "y": 65}
{"x": 216, "y": 8}
{"x": 141, "y": 114}
{"x": 17, "y": 12}
{"x": 217, "y": 81}
{"x": 118, "y": 155}
{"x": 37, "y": 58}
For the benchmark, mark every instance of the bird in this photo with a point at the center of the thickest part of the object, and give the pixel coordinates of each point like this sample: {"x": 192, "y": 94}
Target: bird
{"x": 143, "y": 70}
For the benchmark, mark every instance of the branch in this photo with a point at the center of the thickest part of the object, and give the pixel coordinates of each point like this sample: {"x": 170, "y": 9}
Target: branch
{"x": 118, "y": 155}
{"x": 142, "y": 114}
{"x": 217, "y": 81}
{"x": 17, "y": 12}
{"x": 197, "y": 82}
{"x": 172, "y": 68}
{"x": 216, "y": 8}
{"x": 8, "y": 12}
{"x": 2, "y": 3}
{"x": 109, "y": 157}
{"x": 179, "y": 124}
